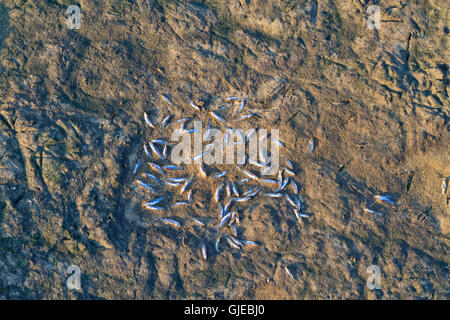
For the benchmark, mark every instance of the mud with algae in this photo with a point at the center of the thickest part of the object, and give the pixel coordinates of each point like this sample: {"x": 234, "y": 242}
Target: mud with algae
{"x": 71, "y": 130}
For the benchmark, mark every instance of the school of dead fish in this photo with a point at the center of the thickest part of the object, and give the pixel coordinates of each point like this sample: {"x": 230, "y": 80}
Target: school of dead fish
{"x": 158, "y": 176}
{"x": 228, "y": 194}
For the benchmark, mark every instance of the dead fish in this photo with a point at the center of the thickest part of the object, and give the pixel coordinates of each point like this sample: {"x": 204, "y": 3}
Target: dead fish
{"x": 236, "y": 241}
{"x": 166, "y": 99}
{"x": 294, "y": 186}
{"x": 232, "y": 99}
{"x": 241, "y": 106}
{"x": 234, "y": 230}
{"x": 311, "y": 146}
{"x": 147, "y": 152}
{"x": 372, "y": 211}
{"x": 218, "y": 191}
{"x": 289, "y": 272}
{"x": 289, "y": 199}
{"x": 250, "y": 134}
{"x": 150, "y": 176}
{"x": 198, "y": 222}
{"x": 164, "y": 153}
{"x": 219, "y": 175}
{"x": 254, "y": 193}
{"x": 148, "y": 121}
{"x": 192, "y": 104}
{"x": 202, "y": 171}
{"x": 155, "y": 201}
{"x": 444, "y": 186}
{"x": 249, "y": 190}
{"x": 156, "y": 167}
{"x": 289, "y": 171}
{"x": 278, "y": 142}
{"x": 217, "y": 117}
{"x": 246, "y": 116}
{"x": 154, "y": 208}
{"x": 217, "y": 244}
{"x": 186, "y": 185}
{"x": 244, "y": 180}
{"x": 248, "y": 173}
{"x": 207, "y": 131}
{"x": 273, "y": 195}
{"x": 232, "y": 243}
{"x": 155, "y": 150}
{"x": 224, "y": 221}
{"x": 172, "y": 167}
{"x": 227, "y": 206}
{"x": 220, "y": 211}
{"x": 165, "y": 121}
{"x": 171, "y": 222}
{"x": 269, "y": 181}
{"x": 145, "y": 186}
{"x": 384, "y": 199}
{"x": 161, "y": 141}
{"x": 297, "y": 202}
{"x": 172, "y": 184}
{"x": 137, "y": 167}
{"x": 289, "y": 164}
{"x": 179, "y": 180}
{"x": 189, "y": 196}
{"x": 204, "y": 253}
{"x": 179, "y": 204}
{"x": 235, "y": 189}
{"x": 198, "y": 156}
{"x": 243, "y": 199}
{"x": 250, "y": 243}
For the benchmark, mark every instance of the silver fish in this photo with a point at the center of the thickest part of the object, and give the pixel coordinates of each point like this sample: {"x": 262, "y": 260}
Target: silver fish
{"x": 156, "y": 167}
{"x": 294, "y": 186}
{"x": 166, "y": 99}
{"x": 289, "y": 171}
{"x": 161, "y": 141}
{"x": 192, "y": 104}
{"x": 384, "y": 199}
{"x": 186, "y": 185}
{"x": 208, "y": 130}
{"x": 147, "y": 152}
{"x": 150, "y": 176}
{"x": 145, "y": 186}
{"x": 219, "y": 175}
{"x": 217, "y": 193}
{"x": 248, "y": 173}
{"x": 202, "y": 171}
{"x": 311, "y": 146}
{"x": 372, "y": 211}
{"x": 224, "y": 220}
{"x": 246, "y": 116}
{"x": 172, "y": 167}
{"x": 148, "y": 121}
{"x": 154, "y": 208}
{"x": 217, "y": 117}
{"x": 241, "y": 106}
{"x": 179, "y": 204}
{"x": 235, "y": 189}
{"x": 269, "y": 181}
{"x": 444, "y": 186}
{"x": 232, "y": 243}
{"x": 155, "y": 201}
{"x": 155, "y": 150}
{"x": 273, "y": 195}
{"x": 289, "y": 199}
{"x": 232, "y": 99}
{"x": 198, "y": 222}
{"x": 165, "y": 121}
{"x": 204, "y": 253}
{"x": 171, "y": 222}
{"x": 250, "y": 243}
{"x": 217, "y": 244}
{"x": 137, "y": 167}
{"x": 289, "y": 164}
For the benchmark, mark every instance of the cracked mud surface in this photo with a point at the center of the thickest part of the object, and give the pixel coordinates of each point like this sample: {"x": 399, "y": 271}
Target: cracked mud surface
{"x": 72, "y": 130}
